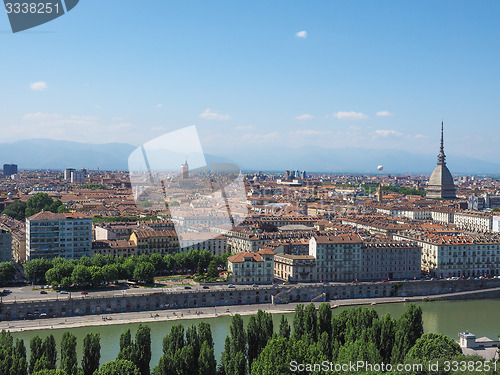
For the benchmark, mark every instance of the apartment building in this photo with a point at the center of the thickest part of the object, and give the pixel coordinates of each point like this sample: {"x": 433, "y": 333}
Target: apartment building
{"x": 474, "y": 221}
{"x": 150, "y": 241}
{"x": 390, "y": 260}
{"x": 5, "y": 245}
{"x": 464, "y": 255}
{"x": 203, "y": 241}
{"x": 348, "y": 257}
{"x": 338, "y": 257}
{"x": 114, "y": 247}
{"x": 251, "y": 267}
{"x": 295, "y": 268}
{"x": 242, "y": 239}
{"x": 17, "y": 230}
{"x": 65, "y": 235}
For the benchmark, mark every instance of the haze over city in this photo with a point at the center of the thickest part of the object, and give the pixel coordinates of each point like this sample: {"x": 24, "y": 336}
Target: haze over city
{"x": 278, "y": 80}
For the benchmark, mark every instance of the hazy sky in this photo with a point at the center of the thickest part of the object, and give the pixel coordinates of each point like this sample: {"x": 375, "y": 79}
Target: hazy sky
{"x": 259, "y": 74}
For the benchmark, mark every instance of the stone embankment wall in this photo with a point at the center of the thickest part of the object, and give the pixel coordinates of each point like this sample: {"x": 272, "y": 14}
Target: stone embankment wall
{"x": 168, "y": 299}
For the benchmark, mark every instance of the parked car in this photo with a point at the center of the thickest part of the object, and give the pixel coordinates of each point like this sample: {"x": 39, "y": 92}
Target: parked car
{"x": 7, "y": 291}
{"x": 43, "y": 292}
{"x": 187, "y": 287}
{"x": 84, "y": 292}
{"x": 206, "y": 287}
{"x": 231, "y": 286}
{"x": 63, "y": 292}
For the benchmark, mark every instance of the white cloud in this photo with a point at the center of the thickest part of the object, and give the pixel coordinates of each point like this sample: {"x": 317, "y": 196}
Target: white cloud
{"x": 158, "y": 128}
{"x": 159, "y": 105}
{"x": 41, "y": 116}
{"x": 384, "y": 113}
{"x": 421, "y": 136}
{"x": 249, "y": 127}
{"x": 39, "y": 86}
{"x": 387, "y": 132}
{"x": 301, "y": 34}
{"x": 350, "y": 115}
{"x": 305, "y": 116}
{"x": 209, "y": 115}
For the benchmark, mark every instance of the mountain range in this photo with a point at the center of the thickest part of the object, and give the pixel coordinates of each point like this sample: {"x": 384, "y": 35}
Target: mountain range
{"x": 55, "y": 154}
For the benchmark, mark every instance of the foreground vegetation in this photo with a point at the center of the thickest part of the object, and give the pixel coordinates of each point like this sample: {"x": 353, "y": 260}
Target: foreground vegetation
{"x": 315, "y": 336}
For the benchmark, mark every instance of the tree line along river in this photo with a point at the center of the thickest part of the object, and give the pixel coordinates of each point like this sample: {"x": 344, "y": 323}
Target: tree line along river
{"x": 446, "y": 317}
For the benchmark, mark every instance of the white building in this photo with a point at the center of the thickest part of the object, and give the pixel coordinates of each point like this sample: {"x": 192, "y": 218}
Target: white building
{"x": 474, "y": 221}
{"x": 203, "y": 241}
{"x": 64, "y": 235}
{"x": 456, "y": 256}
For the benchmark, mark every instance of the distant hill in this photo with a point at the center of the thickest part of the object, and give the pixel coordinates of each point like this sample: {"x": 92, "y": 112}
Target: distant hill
{"x": 52, "y": 154}
{"x": 316, "y": 159}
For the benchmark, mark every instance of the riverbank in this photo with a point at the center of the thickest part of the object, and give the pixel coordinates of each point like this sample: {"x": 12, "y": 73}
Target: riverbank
{"x": 97, "y": 320}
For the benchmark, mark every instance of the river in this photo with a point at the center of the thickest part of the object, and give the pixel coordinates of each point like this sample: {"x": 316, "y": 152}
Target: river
{"x": 447, "y": 317}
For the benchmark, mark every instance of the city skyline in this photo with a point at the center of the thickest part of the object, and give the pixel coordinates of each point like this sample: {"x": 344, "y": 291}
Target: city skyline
{"x": 258, "y": 79}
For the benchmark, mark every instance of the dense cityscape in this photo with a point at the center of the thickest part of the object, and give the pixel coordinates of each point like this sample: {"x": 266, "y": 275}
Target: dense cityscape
{"x": 301, "y": 237}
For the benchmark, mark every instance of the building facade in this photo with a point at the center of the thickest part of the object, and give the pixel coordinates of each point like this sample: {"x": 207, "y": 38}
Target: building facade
{"x": 295, "y": 268}
{"x": 251, "y": 267}
{"x": 50, "y": 235}
{"x": 5, "y": 246}
{"x": 464, "y": 255}
{"x": 9, "y": 169}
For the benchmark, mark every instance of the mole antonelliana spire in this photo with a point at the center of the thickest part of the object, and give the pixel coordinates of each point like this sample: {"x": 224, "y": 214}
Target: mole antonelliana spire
{"x": 441, "y": 183}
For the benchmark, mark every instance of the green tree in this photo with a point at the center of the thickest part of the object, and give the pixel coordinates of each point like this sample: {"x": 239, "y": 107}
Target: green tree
{"x": 193, "y": 340}
{"x": 35, "y": 269}
{"x": 233, "y": 361}
{"x": 325, "y": 318}
{"x": 298, "y": 322}
{"x": 96, "y": 276}
{"x": 284, "y": 328}
{"x": 91, "y": 353}
{"x": 110, "y": 272}
{"x": 36, "y": 351}
{"x": 142, "y": 355}
{"x": 7, "y": 272}
{"x": 16, "y": 210}
{"x": 275, "y": 358}
{"x": 205, "y": 333}
{"x": 311, "y": 323}
{"x": 144, "y": 272}
{"x": 118, "y": 367}
{"x": 48, "y": 372}
{"x": 212, "y": 271}
{"x": 50, "y": 351}
{"x": 259, "y": 331}
{"x": 408, "y": 330}
{"x": 206, "y": 360}
{"x": 69, "y": 362}
{"x": 81, "y": 275}
{"x": 432, "y": 346}
{"x": 126, "y": 347}
{"x": 387, "y": 332}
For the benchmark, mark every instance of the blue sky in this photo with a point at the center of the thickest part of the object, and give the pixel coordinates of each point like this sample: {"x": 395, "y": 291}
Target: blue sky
{"x": 263, "y": 75}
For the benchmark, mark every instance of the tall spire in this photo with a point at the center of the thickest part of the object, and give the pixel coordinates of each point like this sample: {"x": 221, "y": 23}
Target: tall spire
{"x": 441, "y": 155}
